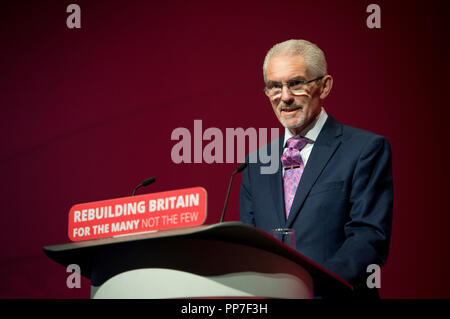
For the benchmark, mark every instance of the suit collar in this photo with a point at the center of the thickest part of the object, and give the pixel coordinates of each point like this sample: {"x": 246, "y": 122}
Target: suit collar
{"x": 276, "y": 185}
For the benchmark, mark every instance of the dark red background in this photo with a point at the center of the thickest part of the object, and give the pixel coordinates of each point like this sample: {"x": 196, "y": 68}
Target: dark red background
{"x": 87, "y": 114}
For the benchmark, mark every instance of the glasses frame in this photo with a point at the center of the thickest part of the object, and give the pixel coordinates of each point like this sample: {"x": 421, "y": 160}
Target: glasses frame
{"x": 287, "y": 85}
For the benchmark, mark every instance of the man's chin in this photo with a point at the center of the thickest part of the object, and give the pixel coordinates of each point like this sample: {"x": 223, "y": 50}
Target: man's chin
{"x": 292, "y": 124}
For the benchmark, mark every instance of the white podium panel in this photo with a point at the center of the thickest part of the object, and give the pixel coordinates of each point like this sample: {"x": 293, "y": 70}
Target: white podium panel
{"x": 210, "y": 269}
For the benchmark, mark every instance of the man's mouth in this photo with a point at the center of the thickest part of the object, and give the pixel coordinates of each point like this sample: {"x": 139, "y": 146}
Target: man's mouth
{"x": 290, "y": 109}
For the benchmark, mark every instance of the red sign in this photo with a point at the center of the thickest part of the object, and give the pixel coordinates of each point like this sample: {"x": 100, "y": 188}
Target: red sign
{"x": 135, "y": 214}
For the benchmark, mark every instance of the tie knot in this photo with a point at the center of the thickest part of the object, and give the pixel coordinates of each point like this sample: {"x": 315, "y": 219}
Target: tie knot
{"x": 297, "y": 142}
{"x": 291, "y": 157}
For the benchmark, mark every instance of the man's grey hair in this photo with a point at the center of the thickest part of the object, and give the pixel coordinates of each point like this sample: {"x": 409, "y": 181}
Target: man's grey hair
{"x": 314, "y": 57}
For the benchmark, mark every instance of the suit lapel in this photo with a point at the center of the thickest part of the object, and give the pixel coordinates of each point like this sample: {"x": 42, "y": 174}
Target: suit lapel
{"x": 276, "y": 184}
{"x": 323, "y": 149}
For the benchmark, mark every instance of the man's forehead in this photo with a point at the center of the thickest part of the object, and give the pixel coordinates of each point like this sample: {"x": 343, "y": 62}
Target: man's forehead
{"x": 284, "y": 67}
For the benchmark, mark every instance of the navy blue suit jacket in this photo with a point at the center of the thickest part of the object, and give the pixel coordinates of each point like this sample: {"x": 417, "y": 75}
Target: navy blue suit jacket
{"x": 342, "y": 210}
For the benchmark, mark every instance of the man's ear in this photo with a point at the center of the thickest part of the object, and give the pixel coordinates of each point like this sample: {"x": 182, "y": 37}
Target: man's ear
{"x": 326, "y": 86}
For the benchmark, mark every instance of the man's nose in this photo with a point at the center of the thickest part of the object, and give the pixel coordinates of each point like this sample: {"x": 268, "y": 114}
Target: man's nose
{"x": 286, "y": 95}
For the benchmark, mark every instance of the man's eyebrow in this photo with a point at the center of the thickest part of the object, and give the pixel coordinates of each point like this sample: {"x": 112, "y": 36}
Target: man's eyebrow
{"x": 297, "y": 78}
{"x": 270, "y": 82}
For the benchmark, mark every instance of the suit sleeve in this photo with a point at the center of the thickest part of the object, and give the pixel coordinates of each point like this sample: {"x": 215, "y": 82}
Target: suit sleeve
{"x": 368, "y": 229}
{"x": 245, "y": 199}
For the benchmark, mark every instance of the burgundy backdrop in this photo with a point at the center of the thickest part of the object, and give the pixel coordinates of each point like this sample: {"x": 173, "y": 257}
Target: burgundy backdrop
{"x": 87, "y": 114}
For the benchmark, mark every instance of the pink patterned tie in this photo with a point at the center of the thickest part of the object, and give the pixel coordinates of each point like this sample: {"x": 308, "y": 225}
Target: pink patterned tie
{"x": 293, "y": 166}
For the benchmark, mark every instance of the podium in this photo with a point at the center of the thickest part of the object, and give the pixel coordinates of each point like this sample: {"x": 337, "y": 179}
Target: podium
{"x": 226, "y": 260}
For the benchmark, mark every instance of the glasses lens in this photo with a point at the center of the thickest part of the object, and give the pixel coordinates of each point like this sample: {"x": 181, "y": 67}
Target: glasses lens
{"x": 296, "y": 86}
{"x": 272, "y": 90}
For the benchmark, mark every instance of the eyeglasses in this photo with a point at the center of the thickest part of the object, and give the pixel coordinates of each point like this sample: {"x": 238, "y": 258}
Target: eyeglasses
{"x": 295, "y": 86}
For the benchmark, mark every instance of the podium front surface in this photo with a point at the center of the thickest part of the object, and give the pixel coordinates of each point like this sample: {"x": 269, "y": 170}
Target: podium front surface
{"x": 226, "y": 260}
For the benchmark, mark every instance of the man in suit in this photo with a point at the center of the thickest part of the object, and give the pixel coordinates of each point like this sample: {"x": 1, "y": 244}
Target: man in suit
{"x": 334, "y": 185}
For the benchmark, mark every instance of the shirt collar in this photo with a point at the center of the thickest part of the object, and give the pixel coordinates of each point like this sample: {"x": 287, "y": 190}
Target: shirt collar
{"x": 312, "y": 131}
